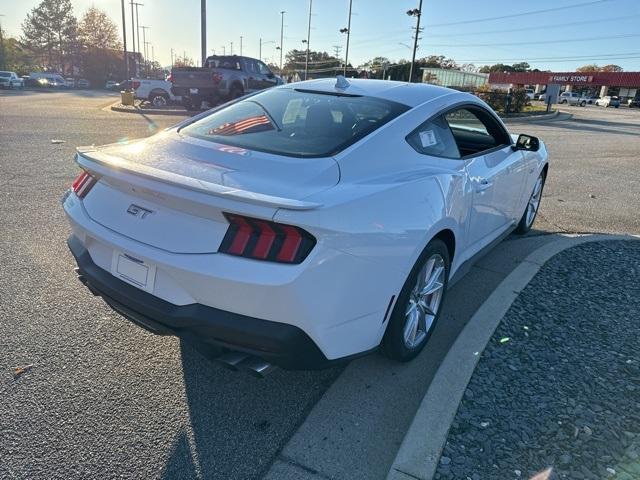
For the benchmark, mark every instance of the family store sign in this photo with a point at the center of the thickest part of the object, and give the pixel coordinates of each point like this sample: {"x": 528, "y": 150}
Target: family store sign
{"x": 570, "y": 79}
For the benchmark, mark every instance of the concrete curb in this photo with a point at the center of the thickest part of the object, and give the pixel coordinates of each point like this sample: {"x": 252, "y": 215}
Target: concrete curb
{"x": 115, "y": 108}
{"x": 422, "y": 446}
{"x": 537, "y": 118}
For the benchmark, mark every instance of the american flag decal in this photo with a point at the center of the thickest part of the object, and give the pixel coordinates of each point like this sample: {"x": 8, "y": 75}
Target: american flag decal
{"x": 236, "y": 128}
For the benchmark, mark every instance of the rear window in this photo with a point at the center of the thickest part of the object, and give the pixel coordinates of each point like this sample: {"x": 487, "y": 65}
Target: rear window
{"x": 230, "y": 63}
{"x": 296, "y": 123}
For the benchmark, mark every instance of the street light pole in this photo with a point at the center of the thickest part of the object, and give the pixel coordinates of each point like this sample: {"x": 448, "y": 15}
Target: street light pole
{"x": 346, "y": 53}
{"x": 124, "y": 41}
{"x": 138, "y": 25}
{"x": 306, "y": 62}
{"x": 224, "y": 49}
{"x": 240, "y": 45}
{"x": 231, "y": 49}
{"x": 416, "y": 12}
{"x": 203, "y": 31}
{"x": 281, "y": 38}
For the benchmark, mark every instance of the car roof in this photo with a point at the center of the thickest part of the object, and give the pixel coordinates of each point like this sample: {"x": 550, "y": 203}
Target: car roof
{"x": 410, "y": 94}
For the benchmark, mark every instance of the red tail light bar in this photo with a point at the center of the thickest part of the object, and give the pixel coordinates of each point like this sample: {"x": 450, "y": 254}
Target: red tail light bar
{"x": 264, "y": 240}
{"x": 83, "y": 183}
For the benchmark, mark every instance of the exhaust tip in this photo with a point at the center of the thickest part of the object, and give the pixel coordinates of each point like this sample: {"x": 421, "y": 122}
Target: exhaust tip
{"x": 232, "y": 360}
{"x": 257, "y": 367}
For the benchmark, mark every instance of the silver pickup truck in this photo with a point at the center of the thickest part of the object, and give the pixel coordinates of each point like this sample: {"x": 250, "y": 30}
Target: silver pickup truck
{"x": 222, "y": 78}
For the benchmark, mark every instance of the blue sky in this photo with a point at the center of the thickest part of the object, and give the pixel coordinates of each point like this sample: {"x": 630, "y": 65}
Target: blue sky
{"x": 560, "y": 39}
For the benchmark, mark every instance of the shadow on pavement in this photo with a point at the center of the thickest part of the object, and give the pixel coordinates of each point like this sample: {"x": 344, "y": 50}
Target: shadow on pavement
{"x": 238, "y": 423}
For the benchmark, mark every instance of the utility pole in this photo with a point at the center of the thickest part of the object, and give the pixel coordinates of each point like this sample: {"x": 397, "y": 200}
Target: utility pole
{"x": 281, "y": 38}
{"x": 416, "y": 12}
{"x": 260, "y": 50}
{"x": 144, "y": 42}
{"x": 172, "y": 58}
{"x": 224, "y": 49}
{"x": 348, "y": 32}
{"x": 124, "y": 41}
{"x": 138, "y": 25}
{"x": 203, "y": 30}
{"x": 336, "y": 50}
{"x": 306, "y": 62}
{"x": 133, "y": 39}
{"x": 231, "y": 49}
{"x": 240, "y": 45}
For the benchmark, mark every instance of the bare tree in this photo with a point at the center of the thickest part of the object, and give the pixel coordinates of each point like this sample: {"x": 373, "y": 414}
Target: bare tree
{"x": 98, "y": 30}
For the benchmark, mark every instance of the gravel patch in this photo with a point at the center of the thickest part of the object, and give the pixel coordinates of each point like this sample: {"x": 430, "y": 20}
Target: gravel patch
{"x": 556, "y": 393}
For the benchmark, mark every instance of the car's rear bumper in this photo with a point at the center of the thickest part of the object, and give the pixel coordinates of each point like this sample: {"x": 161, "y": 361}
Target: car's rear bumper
{"x": 278, "y": 343}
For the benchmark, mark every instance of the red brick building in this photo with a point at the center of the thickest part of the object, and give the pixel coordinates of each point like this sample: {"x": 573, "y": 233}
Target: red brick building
{"x": 623, "y": 84}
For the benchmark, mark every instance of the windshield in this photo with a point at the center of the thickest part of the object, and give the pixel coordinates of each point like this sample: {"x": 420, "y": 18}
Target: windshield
{"x": 296, "y": 123}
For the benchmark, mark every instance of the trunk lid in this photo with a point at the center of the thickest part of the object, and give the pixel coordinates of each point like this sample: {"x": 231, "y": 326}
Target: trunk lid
{"x": 170, "y": 191}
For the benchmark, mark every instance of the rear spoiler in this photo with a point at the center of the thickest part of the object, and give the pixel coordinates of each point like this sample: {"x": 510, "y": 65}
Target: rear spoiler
{"x": 103, "y": 164}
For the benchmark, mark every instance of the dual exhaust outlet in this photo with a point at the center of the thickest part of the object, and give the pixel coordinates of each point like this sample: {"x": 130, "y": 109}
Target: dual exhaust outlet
{"x": 241, "y": 361}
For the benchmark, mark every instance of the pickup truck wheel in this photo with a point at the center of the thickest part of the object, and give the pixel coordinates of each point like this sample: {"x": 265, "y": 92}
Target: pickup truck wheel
{"x": 158, "y": 99}
{"x": 235, "y": 92}
{"x": 582, "y": 104}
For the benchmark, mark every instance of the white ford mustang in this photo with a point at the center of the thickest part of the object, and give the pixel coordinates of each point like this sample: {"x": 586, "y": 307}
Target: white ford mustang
{"x": 304, "y": 224}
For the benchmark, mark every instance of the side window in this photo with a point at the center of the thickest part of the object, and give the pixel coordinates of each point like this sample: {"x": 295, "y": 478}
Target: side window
{"x": 434, "y": 138}
{"x": 264, "y": 70}
{"x": 251, "y": 66}
{"x": 475, "y": 131}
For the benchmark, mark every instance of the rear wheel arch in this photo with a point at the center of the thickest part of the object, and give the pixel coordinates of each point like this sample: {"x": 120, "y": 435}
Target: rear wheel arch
{"x": 449, "y": 239}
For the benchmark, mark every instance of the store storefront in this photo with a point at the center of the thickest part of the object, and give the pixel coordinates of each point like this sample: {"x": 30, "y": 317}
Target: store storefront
{"x": 591, "y": 84}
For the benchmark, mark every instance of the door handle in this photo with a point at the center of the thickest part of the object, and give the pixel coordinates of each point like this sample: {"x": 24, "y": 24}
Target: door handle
{"x": 483, "y": 184}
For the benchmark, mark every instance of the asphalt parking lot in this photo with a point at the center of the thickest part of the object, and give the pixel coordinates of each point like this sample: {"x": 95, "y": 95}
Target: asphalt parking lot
{"x": 105, "y": 399}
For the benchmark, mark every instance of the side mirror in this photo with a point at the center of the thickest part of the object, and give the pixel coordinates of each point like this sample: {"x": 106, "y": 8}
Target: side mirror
{"x": 527, "y": 142}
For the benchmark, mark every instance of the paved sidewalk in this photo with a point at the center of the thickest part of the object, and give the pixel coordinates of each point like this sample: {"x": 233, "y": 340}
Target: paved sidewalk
{"x": 556, "y": 393}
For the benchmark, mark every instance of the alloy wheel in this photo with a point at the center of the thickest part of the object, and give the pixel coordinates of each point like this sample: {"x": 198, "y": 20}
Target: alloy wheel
{"x": 424, "y": 301}
{"x": 534, "y": 201}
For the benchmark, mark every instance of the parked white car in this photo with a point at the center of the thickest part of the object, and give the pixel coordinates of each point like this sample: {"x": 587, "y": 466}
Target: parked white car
{"x": 157, "y": 92}
{"x": 10, "y": 80}
{"x": 572, "y": 98}
{"x": 608, "y": 101}
{"x": 530, "y": 93}
{"x": 304, "y": 224}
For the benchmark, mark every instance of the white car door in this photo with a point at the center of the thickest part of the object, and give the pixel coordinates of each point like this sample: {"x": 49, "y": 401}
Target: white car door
{"x": 496, "y": 173}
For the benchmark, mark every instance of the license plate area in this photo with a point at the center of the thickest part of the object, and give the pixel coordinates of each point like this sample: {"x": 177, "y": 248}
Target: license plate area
{"x": 193, "y": 91}
{"x": 134, "y": 271}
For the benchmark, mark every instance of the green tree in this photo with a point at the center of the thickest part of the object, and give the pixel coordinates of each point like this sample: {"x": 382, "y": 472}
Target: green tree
{"x": 50, "y": 30}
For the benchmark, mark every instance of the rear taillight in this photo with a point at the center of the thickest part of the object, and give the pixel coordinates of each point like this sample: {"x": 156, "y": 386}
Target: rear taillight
{"x": 135, "y": 84}
{"x": 170, "y": 78}
{"x": 83, "y": 183}
{"x": 264, "y": 240}
{"x": 216, "y": 77}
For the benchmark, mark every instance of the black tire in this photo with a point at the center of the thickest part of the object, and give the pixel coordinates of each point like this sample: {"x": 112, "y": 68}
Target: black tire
{"x": 393, "y": 343}
{"x": 235, "y": 92}
{"x": 583, "y": 104}
{"x": 158, "y": 99}
{"x": 524, "y": 226}
{"x": 563, "y": 101}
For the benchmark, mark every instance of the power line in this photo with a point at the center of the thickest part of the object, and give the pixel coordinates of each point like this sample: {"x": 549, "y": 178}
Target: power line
{"x": 537, "y": 42}
{"x": 521, "y": 14}
{"x": 535, "y": 27}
